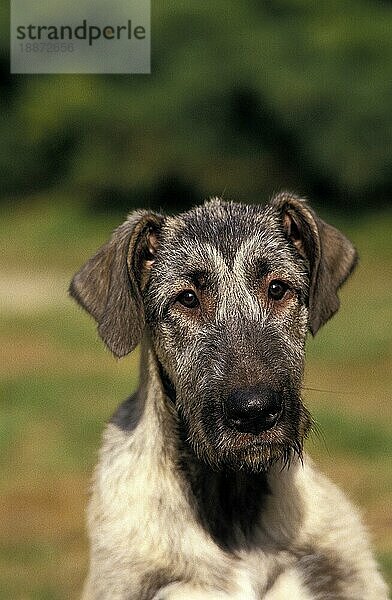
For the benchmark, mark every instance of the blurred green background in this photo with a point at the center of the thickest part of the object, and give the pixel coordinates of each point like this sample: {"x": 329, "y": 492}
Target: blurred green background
{"x": 245, "y": 98}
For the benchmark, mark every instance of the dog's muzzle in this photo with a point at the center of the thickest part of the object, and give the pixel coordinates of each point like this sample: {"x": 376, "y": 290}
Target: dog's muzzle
{"x": 253, "y": 410}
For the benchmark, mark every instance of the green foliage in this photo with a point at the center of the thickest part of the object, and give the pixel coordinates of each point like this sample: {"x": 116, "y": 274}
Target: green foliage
{"x": 244, "y": 98}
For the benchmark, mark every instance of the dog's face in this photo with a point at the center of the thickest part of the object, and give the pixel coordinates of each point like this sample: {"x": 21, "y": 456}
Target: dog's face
{"x": 228, "y": 292}
{"x": 226, "y": 303}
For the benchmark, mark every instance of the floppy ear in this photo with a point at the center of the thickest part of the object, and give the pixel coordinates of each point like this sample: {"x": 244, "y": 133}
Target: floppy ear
{"x": 109, "y": 285}
{"x": 330, "y": 255}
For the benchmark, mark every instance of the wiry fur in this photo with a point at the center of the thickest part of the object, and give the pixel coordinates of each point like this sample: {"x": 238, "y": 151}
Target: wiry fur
{"x": 185, "y": 504}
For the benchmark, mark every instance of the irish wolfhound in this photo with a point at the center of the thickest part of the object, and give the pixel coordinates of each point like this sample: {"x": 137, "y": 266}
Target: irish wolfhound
{"x": 202, "y": 489}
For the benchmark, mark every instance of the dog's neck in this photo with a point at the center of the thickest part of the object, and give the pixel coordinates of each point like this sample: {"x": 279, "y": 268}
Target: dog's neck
{"x": 228, "y": 503}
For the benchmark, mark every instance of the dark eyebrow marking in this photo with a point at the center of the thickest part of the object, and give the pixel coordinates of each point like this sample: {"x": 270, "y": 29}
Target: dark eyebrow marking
{"x": 263, "y": 267}
{"x": 200, "y": 278}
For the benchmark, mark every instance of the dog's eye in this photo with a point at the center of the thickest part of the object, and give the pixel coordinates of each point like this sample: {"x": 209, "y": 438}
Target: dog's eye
{"x": 277, "y": 289}
{"x": 188, "y": 299}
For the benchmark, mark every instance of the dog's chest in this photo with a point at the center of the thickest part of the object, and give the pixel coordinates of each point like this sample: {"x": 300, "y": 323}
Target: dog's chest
{"x": 147, "y": 524}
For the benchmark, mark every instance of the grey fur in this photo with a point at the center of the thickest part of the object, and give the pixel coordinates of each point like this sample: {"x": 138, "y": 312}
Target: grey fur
{"x": 202, "y": 489}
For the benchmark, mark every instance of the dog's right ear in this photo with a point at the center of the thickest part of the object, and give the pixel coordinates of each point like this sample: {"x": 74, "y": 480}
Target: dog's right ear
{"x": 109, "y": 285}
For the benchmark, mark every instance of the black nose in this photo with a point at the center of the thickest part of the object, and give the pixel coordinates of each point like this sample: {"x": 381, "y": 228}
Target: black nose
{"x": 253, "y": 410}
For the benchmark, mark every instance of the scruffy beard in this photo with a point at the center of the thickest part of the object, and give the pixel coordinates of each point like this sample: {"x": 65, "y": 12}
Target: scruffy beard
{"x": 225, "y": 449}
{"x": 258, "y": 458}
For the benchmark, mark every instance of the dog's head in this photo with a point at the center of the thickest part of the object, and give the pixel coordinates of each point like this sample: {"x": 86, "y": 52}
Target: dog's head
{"x": 227, "y": 292}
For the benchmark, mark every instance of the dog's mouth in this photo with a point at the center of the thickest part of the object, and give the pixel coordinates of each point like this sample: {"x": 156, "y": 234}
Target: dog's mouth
{"x": 241, "y": 440}
{"x": 278, "y": 435}
{"x": 258, "y": 452}
{"x": 253, "y": 453}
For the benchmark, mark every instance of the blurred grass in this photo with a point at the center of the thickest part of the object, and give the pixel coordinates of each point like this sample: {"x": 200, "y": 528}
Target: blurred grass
{"x": 58, "y": 385}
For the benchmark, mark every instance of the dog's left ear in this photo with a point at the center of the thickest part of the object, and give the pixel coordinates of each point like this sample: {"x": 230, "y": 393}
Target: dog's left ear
{"x": 109, "y": 285}
{"x": 330, "y": 255}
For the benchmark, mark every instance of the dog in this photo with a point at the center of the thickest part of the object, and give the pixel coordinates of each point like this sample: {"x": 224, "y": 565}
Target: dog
{"x": 202, "y": 490}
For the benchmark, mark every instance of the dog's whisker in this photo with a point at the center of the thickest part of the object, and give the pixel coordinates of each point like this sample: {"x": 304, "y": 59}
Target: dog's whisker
{"x": 327, "y": 391}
